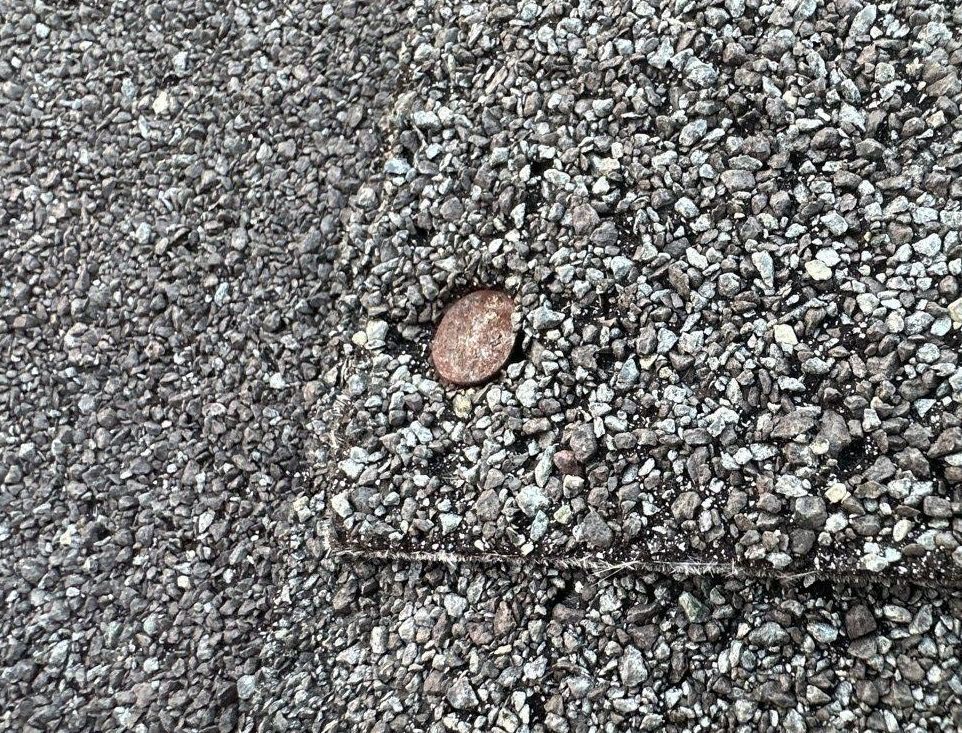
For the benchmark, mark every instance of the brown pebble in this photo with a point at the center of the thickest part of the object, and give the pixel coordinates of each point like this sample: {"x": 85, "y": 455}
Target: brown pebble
{"x": 474, "y": 338}
{"x": 566, "y": 463}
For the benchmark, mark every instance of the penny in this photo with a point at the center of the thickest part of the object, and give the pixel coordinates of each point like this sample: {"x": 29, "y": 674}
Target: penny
{"x": 474, "y": 338}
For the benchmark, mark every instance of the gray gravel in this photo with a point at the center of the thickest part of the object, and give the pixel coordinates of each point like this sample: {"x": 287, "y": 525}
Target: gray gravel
{"x": 736, "y": 256}
{"x": 172, "y": 177}
{"x": 428, "y": 647}
{"x": 227, "y": 231}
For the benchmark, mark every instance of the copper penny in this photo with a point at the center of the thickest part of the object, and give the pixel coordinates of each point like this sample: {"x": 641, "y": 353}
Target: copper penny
{"x": 474, "y": 338}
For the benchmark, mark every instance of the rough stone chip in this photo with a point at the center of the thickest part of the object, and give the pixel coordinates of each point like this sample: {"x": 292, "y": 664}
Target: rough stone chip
{"x": 859, "y": 621}
{"x": 595, "y": 531}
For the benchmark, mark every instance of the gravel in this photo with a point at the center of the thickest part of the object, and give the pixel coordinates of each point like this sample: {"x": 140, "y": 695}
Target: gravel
{"x": 736, "y": 260}
{"x": 859, "y": 621}
{"x": 229, "y": 233}
{"x": 561, "y": 650}
{"x": 173, "y": 176}
{"x": 810, "y": 512}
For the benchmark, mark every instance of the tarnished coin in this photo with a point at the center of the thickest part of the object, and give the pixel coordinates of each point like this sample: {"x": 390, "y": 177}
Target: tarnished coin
{"x": 474, "y": 338}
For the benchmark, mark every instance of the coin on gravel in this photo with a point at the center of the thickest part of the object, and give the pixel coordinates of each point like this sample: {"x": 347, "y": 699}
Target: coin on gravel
{"x": 474, "y": 338}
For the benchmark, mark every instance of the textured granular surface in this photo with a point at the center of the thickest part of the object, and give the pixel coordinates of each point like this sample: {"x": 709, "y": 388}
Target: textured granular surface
{"x": 173, "y": 176}
{"x": 735, "y": 246}
{"x": 229, "y": 231}
{"x": 474, "y": 338}
{"x": 433, "y": 648}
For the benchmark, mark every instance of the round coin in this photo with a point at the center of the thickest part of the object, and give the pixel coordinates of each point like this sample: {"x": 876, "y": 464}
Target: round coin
{"x": 474, "y": 338}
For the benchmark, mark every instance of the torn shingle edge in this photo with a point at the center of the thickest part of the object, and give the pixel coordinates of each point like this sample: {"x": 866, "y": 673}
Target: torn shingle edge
{"x": 599, "y": 566}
